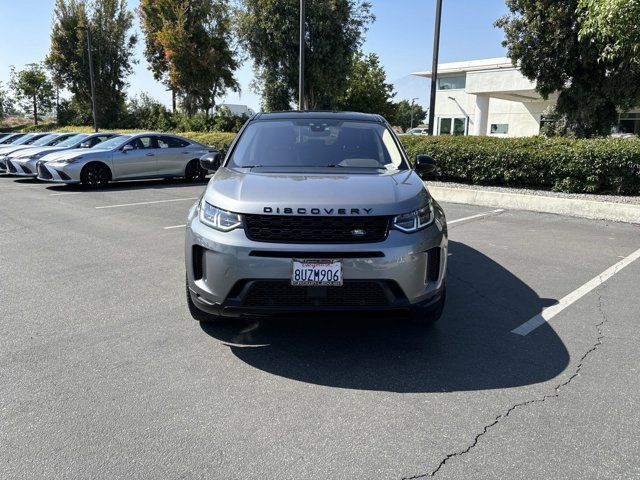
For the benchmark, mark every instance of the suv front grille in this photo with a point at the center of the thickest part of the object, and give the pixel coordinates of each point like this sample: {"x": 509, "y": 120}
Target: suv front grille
{"x": 274, "y": 293}
{"x": 294, "y": 229}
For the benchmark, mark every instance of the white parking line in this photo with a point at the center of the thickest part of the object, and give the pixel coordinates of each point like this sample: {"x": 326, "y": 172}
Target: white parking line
{"x": 65, "y": 193}
{"x": 147, "y": 203}
{"x": 473, "y": 217}
{"x": 175, "y": 226}
{"x": 548, "y": 313}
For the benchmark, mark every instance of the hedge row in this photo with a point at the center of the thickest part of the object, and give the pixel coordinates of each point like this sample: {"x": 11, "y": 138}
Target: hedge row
{"x": 561, "y": 164}
{"x": 570, "y": 165}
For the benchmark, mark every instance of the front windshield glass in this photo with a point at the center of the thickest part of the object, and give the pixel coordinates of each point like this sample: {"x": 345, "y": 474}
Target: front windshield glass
{"x": 26, "y": 140}
{"x": 71, "y": 141}
{"x": 10, "y": 139}
{"x": 46, "y": 140}
{"x": 317, "y": 143}
{"x": 114, "y": 142}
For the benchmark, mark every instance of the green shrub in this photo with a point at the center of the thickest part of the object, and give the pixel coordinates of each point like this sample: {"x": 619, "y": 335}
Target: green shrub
{"x": 560, "y": 164}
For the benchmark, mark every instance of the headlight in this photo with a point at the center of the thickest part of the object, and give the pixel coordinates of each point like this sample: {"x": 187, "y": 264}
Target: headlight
{"x": 217, "y": 218}
{"x": 68, "y": 160}
{"x": 416, "y": 220}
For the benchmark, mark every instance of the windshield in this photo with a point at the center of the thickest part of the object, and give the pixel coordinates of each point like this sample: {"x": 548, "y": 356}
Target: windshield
{"x": 71, "y": 141}
{"x": 46, "y": 140}
{"x": 28, "y": 139}
{"x": 114, "y": 142}
{"x": 317, "y": 143}
{"x": 11, "y": 139}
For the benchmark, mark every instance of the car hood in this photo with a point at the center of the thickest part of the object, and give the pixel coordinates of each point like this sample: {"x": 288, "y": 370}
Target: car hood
{"x": 66, "y": 154}
{"x": 9, "y": 149}
{"x": 28, "y": 152}
{"x": 317, "y": 193}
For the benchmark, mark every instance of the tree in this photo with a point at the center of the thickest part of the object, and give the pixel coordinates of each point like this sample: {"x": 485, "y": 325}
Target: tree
{"x": 146, "y": 113}
{"x": 110, "y": 23}
{"x": 5, "y": 102}
{"x": 269, "y": 29}
{"x": 367, "y": 90}
{"x": 543, "y": 38}
{"x": 613, "y": 25}
{"x": 402, "y": 115}
{"x": 32, "y": 89}
{"x": 189, "y": 47}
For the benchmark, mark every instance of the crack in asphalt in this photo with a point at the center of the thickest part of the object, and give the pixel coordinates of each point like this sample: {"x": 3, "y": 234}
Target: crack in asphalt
{"x": 477, "y": 291}
{"x": 502, "y": 416}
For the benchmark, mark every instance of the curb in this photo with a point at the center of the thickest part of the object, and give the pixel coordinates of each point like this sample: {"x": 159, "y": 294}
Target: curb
{"x": 593, "y": 209}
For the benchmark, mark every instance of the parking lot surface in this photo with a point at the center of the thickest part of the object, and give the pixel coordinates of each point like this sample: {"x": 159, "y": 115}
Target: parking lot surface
{"x": 103, "y": 373}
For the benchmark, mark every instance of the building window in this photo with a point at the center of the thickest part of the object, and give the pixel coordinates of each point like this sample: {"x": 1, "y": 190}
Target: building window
{"x": 629, "y": 123}
{"x": 452, "y": 126}
{"x": 452, "y": 83}
{"x": 499, "y": 128}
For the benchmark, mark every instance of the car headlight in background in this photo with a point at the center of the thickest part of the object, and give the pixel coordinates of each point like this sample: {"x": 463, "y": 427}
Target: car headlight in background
{"x": 218, "y": 218}
{"x": 416, "y": 220}
{"x": 66, "y": 161}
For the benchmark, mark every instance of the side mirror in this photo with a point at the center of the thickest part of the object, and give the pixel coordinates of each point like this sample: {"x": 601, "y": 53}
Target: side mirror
{"x": 127, "y": 148}
{"x": 211, "y": 161}
{"x": 425, "y": 165}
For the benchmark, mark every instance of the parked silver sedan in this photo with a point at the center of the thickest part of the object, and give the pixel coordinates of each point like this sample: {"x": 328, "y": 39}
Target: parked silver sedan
{"x": 23, "y": 163}
{"x": 127, "y": 157}
{"x": 29, "y": 140}
{"x": 22, "y": 140}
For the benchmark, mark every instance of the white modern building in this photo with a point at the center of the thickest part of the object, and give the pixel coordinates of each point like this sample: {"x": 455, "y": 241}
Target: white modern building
{"x": 492, "y": 97}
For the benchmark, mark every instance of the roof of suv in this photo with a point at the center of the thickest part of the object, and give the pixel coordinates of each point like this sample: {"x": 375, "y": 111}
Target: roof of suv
{"x": 295, "y": 114}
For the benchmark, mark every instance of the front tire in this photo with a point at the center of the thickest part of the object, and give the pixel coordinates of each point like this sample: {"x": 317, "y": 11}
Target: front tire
{"x": 95, "y": 175}
{"x": 197, "y": 314}
{"x": 194, "y": 172}
{"x": 428, "y": 315}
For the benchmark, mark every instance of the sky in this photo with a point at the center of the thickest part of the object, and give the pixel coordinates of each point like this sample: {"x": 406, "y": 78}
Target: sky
{"x": 402, "y": 36}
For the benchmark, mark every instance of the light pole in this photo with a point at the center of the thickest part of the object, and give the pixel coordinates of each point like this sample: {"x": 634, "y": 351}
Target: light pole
{"x": 91, "y": 77}
{"x": 301, "y": 59}
{"x": 413, "y": 100}
{"x": 434, "y": 67}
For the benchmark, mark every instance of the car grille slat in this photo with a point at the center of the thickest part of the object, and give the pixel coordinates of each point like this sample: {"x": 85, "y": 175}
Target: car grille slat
{"x": 274, "y": 293}
{"x": 321, "y": 229}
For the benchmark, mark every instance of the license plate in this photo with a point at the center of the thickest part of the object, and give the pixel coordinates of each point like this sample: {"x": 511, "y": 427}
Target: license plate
{"x": 310, "y": 273}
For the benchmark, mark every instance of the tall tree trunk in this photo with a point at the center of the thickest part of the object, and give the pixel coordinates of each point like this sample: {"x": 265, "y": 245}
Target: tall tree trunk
{"x": 35, "y": 110}
{"x": 173, "y": 100}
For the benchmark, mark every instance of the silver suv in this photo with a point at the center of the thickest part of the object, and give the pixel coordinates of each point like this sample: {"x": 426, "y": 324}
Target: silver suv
{"x": 315, "y": 211}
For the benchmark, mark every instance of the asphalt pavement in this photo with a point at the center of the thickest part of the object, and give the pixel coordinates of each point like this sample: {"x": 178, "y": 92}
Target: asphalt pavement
{"x": 103, "y": 373}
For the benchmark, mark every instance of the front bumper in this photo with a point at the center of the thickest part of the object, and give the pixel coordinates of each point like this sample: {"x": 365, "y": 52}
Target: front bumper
{"x": 225, "y": 269}
{"x": 21, "y": 168}
{"x": 57, "y": 173}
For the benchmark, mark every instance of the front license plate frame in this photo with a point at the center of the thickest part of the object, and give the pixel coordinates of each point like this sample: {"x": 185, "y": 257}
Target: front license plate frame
{"x": 316, "y": 272}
